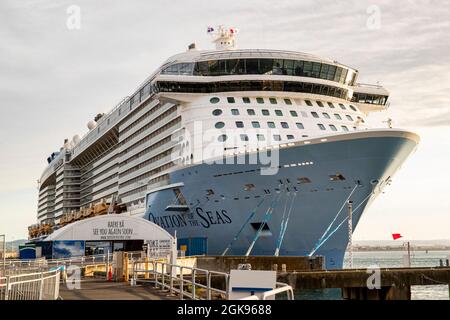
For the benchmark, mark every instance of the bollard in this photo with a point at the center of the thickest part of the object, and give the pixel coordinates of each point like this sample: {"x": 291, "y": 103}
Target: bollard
{"x": 283, "y": 267}
{"x": 275, "y": 267}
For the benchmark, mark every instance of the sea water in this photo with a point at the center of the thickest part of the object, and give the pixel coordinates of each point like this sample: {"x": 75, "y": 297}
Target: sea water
{"x": 386, "y": 259}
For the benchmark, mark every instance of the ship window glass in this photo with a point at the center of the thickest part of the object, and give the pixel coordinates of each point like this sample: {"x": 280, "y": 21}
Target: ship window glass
{"x": 231, "y": 100}
{"x": 330, "y": 105}
{"x": 214, "y": 100}
{"x": 333, "y": 127}
{"x": 235, "y": 112}
{"x": 309, "y": 103}
{"x": 290, "y": 137}
{"x": 277, "y": 137}
{"x": 271, "y": 124}
{"x": 288, "y": 101}
{"x": 314, "y": 114}
{"x": 273, "y": 100}
{"x": 321, "y": 126}
{"x": 246, "y": 99}
{"x": 337, "y": 116}
{"x": 353, "y": 108}
{"x": 303, "y": 180}
{"x": 278, "y": 112}
{"x": 304, "y": 114}
{"x": 217, "y": 112}
{"x": 251, "y": 112}
{"x": 260, "y": 137}
{"x": 222, "y": 138}
{"x": 342, "y": 106}
{"x": 239, "y": 124}
{"x": 349, "y": 117}
{"x": 260, "y": 100}
{"x": 219, "y": 125}
{"x": 244, "y": 137}
{"x": 255, "y": 124}
{"x": 293, "y": 113}
{"x": 326, "y": 115}
{"x": 252, "y": 66}
{"x": 284, "y": 125}
{"x": 359, "y": 118}
{"x": 300, "y": 125}
{"x": 344, "y": 128}
{"x": 265, "y": 112}
{"x": 319, "y": 103}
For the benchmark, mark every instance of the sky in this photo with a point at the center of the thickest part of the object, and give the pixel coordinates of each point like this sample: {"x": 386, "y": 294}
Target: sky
{"x": 56, "y": 75}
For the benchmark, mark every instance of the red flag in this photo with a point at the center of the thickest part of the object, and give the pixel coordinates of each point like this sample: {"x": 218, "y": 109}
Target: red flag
{"x": 396, "y": 236}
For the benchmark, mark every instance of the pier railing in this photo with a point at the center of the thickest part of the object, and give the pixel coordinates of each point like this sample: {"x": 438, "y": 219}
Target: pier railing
{"x": 282, "y": 288}
{"x": 30, "y": 286}
{"x": 185, "y": 281}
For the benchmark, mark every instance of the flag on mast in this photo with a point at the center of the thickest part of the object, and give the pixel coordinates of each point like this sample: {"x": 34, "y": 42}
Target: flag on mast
{"x": 396, "y": 236}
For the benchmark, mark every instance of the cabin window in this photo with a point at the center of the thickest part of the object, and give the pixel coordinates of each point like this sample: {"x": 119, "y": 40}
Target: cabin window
{"x": 271, "y": 124}
{"x": 231, "y": 100}
{"x": 349, "y": 117}
{"x": 244, "y": 137}
{"x": 219, "y": 125}
{"x": 239, "y": 124}
{"x": 288, "y": 101}
{"x": 333, "y": 127}
{"x": 290, "y": 136}
{"x": 342, "y": 106}
{"x": 255, "y": 124}
{"x": 260, "y": 100}
{"x": 284, "y": 125}
{"x": 251, "y": 112}
{"x": 265, "y": 112}
{"x": 309, "y": 103}
{"x": 293, "y": 113}
{"x": 326, "y": 115}
{"x": 300, "y": 125}
{"x": 353, "y": 108}
{"x": 246, "y": 99}
{"x": 235, "y": 112}
{"x": 217, "y": 112}
{"x": 260, "y": 137}
{"x": 314, "y": 114}
{"x": 344, "y": 128}
{"x": 278, "y": 112}
{"x": 337, "y": 116}
{"x": 321, "y": 126}
{"x": 273, "y": 100}
{"x": 214, "y": 100}
{"x": 330, "y": 105}
{"x": 222, "y": 138}
{"x": 277, "y": 137}
{"x": 319, "y": 103}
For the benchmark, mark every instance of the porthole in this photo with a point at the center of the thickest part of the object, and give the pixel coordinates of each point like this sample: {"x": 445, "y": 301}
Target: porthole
{"x": 217, "y": 112}
{"x": 214, "y": 100}
{"x": 222, "y": 138}
{"x": 219, "y": 125}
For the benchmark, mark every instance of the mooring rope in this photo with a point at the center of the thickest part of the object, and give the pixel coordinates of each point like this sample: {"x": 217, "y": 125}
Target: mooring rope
{"x": 337, "y": 214}
{"x": 266, "y": 218}
{"x": 252, "y": 214}
{"x": 339, "y": 225}
{"x": 284, "y": 225}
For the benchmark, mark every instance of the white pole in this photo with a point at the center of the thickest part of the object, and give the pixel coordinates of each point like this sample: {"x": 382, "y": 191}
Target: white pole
{"x": 350, "y": 232}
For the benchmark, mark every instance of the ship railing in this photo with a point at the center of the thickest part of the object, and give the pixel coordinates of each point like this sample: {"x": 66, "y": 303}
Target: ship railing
{"x": 31, "y": 286}
{"x": 282, "y": 288}
{"x": 184, "y": 281}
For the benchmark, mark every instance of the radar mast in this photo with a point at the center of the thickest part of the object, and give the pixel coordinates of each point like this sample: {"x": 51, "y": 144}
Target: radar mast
{"x": 224, "y": 38}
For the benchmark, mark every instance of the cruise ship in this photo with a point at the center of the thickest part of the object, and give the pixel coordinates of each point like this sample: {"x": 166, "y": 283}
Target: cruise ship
{"x": 236, "y": 151}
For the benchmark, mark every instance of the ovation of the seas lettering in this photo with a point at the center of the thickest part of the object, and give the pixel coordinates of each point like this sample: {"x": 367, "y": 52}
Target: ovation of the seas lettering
{"x": 202, "y": 218}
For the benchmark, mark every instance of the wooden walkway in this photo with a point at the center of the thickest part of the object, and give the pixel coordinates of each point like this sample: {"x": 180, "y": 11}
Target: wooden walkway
{"x": 103, "y": 290}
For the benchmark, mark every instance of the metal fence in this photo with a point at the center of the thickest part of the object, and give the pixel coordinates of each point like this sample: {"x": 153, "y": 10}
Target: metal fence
{"x": 30, "y": 286}
{"x": 282, "y": 288}
{"x": 188, "y": 282}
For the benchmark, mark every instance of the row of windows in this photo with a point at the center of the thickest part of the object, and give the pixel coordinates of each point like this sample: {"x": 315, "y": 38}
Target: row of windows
{"x": 369, "y": 98}
{"x": 257, "y": 85}
{"x": 263, "y": 66}
{"x": 287, "y": 101}
{"x": 293, "y": 113}
{"x": 256, "y": 124}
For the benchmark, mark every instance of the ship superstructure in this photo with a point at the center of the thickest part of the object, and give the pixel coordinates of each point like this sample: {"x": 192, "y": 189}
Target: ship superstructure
{"x": 156, "y": 154}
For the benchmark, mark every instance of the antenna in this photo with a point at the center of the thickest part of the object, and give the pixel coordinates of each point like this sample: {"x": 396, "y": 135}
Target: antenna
{"x": 224, "y": 38}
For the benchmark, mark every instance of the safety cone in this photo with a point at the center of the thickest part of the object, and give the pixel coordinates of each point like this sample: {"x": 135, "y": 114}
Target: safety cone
{"x": 110, "y": 274}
